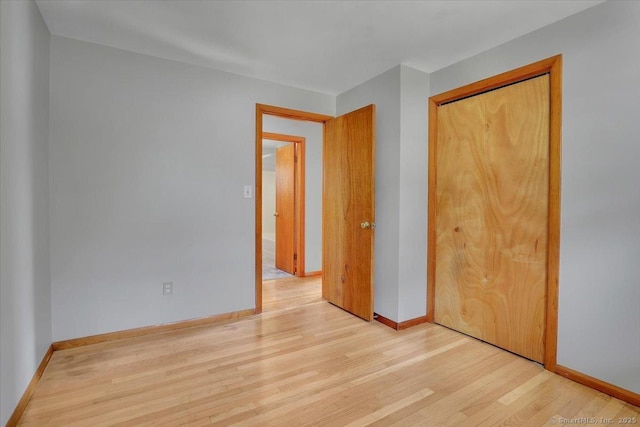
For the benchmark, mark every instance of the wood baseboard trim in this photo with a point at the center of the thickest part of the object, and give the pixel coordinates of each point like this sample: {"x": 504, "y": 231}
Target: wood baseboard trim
{"x": 402, "y": 325}
{"x": 26, "y": 396}
{"x": 610, "y": 389}
{"x": 388, "y": 322}
{"x": 148, "y": 330}
{"x": 412, "y": 322}
{"x": 313, "y": 273}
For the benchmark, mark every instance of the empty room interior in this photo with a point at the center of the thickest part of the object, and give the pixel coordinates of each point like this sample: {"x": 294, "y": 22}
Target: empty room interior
{"x": 319, "y": 213}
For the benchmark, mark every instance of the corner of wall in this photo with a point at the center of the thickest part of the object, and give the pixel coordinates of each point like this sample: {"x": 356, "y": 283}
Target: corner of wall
{"x": 25, "y": 286}
{"x": 412, "y": 225}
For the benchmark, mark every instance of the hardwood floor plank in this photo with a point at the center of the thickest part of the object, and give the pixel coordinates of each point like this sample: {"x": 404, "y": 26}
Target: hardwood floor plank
{"x": 390, "y": 409}
{"x": 560, "y": 406}
{"x": 518, "y": 392}
{"x": 610, "y": 410}
{"x": 307, "y": 365}
{"x": 409, "y": 362}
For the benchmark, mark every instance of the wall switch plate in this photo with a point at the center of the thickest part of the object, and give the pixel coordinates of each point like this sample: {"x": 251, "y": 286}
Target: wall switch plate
{"x": 167, "y": 288}
{"x": 248, "y": 191}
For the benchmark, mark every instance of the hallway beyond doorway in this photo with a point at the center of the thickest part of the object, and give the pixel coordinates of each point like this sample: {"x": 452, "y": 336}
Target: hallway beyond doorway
{"x": 269, "y": 270}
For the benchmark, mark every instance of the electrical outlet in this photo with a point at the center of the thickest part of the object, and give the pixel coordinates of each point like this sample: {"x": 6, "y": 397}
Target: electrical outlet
{"x": 167, "y": 288}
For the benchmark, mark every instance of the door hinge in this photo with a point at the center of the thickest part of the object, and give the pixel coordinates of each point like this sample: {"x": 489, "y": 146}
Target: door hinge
{"x": 295, "y": 257}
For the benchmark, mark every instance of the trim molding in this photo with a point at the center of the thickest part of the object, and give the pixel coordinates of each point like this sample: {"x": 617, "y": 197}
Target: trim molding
{"x": 553, "y": 66}
{"x": 313, "y": 273}
{"x": 26, "y": 396}
{"x": 412, "y": 322}
{"x": 385, "y": 321}
{"x": 282, "y": 137}
{"x": 288, "y": 113}
{"x": 594, "y": 383}
{"x": 147, "y": 330}
{"x": 402, "y": 325}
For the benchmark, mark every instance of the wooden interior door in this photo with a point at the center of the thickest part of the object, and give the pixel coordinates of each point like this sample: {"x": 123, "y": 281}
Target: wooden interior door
{"x": 348, "y": 213}
{"x": 285, "y": 208}
{"x": 492, "y": 192}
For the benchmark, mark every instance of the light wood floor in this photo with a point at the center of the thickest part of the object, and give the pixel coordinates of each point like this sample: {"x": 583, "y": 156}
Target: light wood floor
{"x": 311, "y": 364}
{"x": 290, "y": 292}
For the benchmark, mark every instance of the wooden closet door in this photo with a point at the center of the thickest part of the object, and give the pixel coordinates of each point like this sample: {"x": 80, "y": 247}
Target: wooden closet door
{"x": 492, "y": 195}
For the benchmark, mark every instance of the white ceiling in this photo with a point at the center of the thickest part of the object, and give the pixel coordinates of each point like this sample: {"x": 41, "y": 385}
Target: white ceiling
{"x": 326, "y": 46}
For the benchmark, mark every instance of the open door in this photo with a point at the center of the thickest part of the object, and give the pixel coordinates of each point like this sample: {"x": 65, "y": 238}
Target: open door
{"x": 348, "y": 212}
{"x": 285, "y": 208}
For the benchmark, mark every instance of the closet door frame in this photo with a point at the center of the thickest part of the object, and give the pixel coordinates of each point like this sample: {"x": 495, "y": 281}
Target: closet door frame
{"x": 553, "y": 67}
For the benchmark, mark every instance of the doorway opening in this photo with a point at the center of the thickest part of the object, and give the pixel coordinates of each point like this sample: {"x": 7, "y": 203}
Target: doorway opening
{"x": 294, "y": 250}
{"x": 283, "y": 206}
{"x": 344, "y": 211}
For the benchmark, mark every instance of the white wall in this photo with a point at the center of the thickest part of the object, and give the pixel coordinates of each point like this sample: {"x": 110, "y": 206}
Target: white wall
{"x": 268, "y": 202}
{"x": 312, "y": 132}
{"x": 25, "y": 293}
{"x": 384, "y": 92}
{"x": 148, "y": 162}
{"x": 412, "y": 225}
{"x": 400, "y": 95}
{"x": 599, "y": 317}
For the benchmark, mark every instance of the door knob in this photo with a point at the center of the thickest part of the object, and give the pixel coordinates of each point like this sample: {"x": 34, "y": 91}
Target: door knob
{"x": 368, "y": 224}
{"x": 276, "y": 214}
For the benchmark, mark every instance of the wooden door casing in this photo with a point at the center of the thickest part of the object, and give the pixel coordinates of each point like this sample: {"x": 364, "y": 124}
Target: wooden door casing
{"x": 348, "y": 201}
